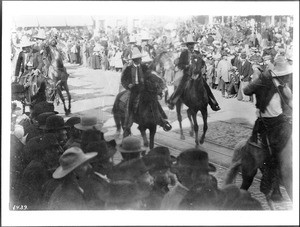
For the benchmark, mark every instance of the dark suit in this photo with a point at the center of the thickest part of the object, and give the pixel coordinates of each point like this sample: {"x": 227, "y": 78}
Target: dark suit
{"x": 129, "y": 77}
{"x": 245, "y": 71}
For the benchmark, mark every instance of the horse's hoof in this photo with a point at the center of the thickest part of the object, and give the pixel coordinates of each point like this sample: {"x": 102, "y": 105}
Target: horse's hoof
{"x": 276, "y": 197}
{"x": 201, "y": 140}
{"x": 182, "y": 137}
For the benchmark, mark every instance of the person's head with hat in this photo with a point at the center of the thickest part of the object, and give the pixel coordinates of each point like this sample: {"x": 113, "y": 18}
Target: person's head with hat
{"x": 160, "y": 160}
{"x": 131, "y": 148}
{"x": 90, "y": 135}
{"x": 41, "y": 107}
{"x": 281, "y": 67}
{"x": 72, "y": 132}
{"x": 90, "y": 122}
{"x": 55, "y": 124}
{"x": 190, "y": 42}
{"x": 26, "y": 44}
{"x": 40, "y": 37}
{"x": 136, "y": 56}
{"x": 192, "y": 166}
{"x": 103, "y": 162}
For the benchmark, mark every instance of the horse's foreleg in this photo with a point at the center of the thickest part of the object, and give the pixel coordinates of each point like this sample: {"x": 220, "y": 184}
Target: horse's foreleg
{"x": 152, "y": 134}
{"x": 144, "y": 136}
{"x": 179, "y": 118}
{"x": 191, "y": 122}
{"x": 204, "y": 116}
{"x": 196, "y": 127}
{"x": 248, "y": 178}
{"x": 62, "y": 99}
{"x": 66, "y": 87}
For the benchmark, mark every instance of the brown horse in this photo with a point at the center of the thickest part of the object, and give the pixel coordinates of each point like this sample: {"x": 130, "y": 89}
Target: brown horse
{"x": 57, "y": 79}
{"x": 250, "y": 158}
{"x": 195, "y": 98}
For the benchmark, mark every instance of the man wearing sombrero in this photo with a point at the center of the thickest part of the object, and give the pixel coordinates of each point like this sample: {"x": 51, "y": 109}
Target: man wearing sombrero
{"x": 273, "y": 127}
{"x": 132, "y": 79}
{"x": 184, "y": 64}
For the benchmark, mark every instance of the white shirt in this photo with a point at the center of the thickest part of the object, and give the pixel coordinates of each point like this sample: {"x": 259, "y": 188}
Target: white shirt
{"x": 273, "y": 109}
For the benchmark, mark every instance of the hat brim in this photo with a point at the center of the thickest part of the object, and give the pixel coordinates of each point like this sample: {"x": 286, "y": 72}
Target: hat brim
{"x": 60, "y": 172}
{"x": 122, "y": 150}
{"x": 288, "y": 71}
{"x": 98, "y": 127}
{"x": 210, "y": 168}
{"x": 137, "y": 56}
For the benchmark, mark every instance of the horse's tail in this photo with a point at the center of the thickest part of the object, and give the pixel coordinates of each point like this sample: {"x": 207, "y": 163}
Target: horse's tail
{"x": 117, "y": 111}
{"x": 235, "y": 163}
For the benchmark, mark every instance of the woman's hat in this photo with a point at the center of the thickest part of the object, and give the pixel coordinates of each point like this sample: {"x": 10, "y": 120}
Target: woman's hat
{"x": 159, "y": 158}
{"x": 196, "y": 159}
{"x": 41, "y": 35}
{"x": 281, "y": 67}
{"x": 103, "y": 152}
{"x": 130, "y": 144}
{"x": 90, "y": 122}
{"x": 190, "y": 39}
{"x": 136, "y": 53}
{"x": 54, "y": 122}
{"x": 132, "y": 40}
{"x": 70, "y": 160}
{"x": 128, "y": 170}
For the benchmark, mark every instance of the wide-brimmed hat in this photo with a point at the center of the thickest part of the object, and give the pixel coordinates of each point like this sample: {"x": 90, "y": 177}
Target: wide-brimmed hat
{"x": 190, "y": 39}
{"x": 42, "y": 107}
{"x": 159, "y": 158}
{"x": 130, "y": 144}
{"x": 54, "y": 122}
{"x": 41, "y": 34}
{"x": 42, "y": 118}
{"x": 281, "y": 67}
{"x": 103, "y": 152}
{"x": 25, "y": 42}
{"x": 136, "y": 53}
{"x": 90, "y": 122}
{"x": 128, "y": 170}
{"x": 72, "y": 121}
{"x": 70, "y": 160}
{"x": 196, "y": 159}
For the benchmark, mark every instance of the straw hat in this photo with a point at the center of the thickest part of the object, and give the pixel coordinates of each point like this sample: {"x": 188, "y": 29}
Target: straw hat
{"x": 41, "y": 35}
{"x": 132, "y": 39}
{"x": 90, "y": 122}
{"x": 281, "y": 67}
{"x": 70, "y": 160}
{"x": 136, "y": 54}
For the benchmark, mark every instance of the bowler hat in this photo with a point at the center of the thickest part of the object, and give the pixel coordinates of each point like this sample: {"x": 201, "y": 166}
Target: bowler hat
{"x": 194, "y": 158}
{"x": 159, "y": 158}
{"x": 90, "y": 122}
{"x": 128, "y": 170}
{"x": 70, "y": 160}
{"x": 42, "y": 118}
{"x": 130, "y": 144}
{"x": 42, "y": 107}
{"x": 281, "y": 67}
{"x": 103, "y": 152}
{"x": 54, "y": 122}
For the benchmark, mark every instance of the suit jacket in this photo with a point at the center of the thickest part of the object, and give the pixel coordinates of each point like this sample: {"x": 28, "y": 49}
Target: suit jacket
{"x": 184, "y": 59}
{"x": 128, "y": 75}
{"x": 37, "y": 61}
{"x": 246, "y": 71}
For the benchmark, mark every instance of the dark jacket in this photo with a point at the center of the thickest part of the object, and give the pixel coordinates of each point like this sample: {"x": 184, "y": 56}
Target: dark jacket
{"x": 128, "y": 75}
{"x": 184, "y": 59}
{"x": 245, "y": 70}
{"x": 37, "y": 61}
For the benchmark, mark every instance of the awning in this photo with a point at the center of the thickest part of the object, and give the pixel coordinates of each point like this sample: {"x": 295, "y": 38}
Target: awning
{"x": 26, "y": 21}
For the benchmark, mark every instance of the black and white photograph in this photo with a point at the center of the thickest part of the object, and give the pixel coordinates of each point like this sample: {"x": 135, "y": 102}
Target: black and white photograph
{"x": 150, "y": 113}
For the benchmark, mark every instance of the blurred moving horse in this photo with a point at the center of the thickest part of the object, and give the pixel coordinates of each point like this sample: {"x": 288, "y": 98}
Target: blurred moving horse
{"x": 57, "y": 76}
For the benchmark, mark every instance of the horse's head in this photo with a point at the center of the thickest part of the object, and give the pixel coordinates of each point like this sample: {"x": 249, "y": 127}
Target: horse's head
{"x": 196, "y": 64}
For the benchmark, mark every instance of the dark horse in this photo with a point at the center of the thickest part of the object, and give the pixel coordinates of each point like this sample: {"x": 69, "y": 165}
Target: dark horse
{"x": 195, "y": 98}
{"x": 147, "y": 115}
{"x": 57, "y": 77}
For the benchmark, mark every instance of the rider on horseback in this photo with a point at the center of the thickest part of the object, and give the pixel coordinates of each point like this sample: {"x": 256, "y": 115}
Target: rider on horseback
{"x": 184, "y": 64}
{"x": 133, "y": 79}
{"x": 272, "y": 127}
